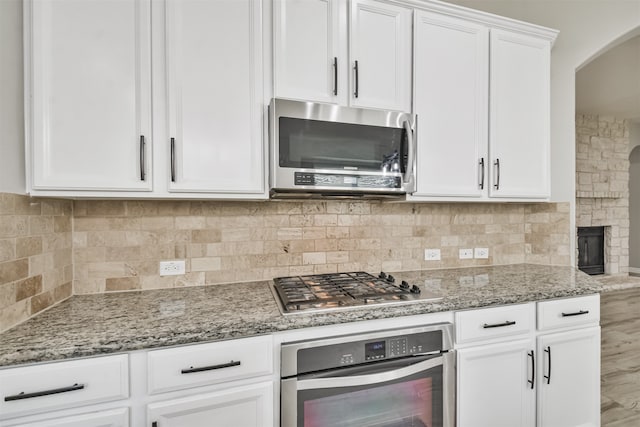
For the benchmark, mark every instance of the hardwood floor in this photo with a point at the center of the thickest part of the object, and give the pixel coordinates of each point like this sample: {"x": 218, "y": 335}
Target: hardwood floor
{"x": 620, "y": 369}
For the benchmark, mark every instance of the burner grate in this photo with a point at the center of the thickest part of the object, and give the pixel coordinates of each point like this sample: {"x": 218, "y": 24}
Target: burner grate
{"x": 335, "y": 290}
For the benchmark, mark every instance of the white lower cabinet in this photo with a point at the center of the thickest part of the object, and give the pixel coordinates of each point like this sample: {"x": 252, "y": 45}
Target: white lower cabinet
{"x": 109, "y": 418}
{"x": 497, "y": 383}
{"x": 496, "y": 376}
{"x": 249, "y": 406}
{"x": 569, "y": 379}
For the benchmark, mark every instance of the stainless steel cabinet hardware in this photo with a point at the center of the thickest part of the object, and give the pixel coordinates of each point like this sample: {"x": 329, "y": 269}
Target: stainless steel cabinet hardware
{"x": 499, "y": 325}
{"x": 533, "y": 369}
{"x": 355, "y": 68}
{"x": 577, "y": 313}
{"x": 497, "y": 165}
{"x": 335, "y": 75}
{"x": 24, "y": 395}
{"x": 154, "y": 424}
{"x": 142, "y": 159}
{"x": 481, "y": 173}
{"x": 192, "y": 370}
{"x": 548, "y": 376}
{"x": 173, "y": 160}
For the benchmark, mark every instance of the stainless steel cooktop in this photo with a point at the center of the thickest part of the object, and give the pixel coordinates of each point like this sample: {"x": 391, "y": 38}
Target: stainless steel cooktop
{"x": 320, "y": 292}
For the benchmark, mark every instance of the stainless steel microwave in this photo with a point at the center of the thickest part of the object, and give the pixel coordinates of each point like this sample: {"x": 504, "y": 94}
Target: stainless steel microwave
{"x": 328, "y": 150}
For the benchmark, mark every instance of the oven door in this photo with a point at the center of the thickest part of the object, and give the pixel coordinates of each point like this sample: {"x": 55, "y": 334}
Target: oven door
{"x": 411, "y": 392}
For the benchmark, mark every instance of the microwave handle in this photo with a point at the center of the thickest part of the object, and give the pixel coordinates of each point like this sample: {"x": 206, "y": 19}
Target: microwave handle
{"x": 411, "y": 144}
{"x": 377, "y": 378}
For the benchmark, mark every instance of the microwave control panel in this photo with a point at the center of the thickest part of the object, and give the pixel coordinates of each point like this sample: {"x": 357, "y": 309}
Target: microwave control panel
{"x": 312, "y": 179}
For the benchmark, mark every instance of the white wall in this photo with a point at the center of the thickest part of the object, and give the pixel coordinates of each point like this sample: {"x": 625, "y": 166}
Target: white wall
{"x": 587, "y": 27}
{"x": 11, "y": 98}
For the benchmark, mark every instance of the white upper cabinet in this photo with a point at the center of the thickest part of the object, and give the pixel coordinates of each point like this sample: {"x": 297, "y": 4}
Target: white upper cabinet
{"x": 306, "y": 50}
{"x": 89, "y": 89}
{"x": 214, "y": 96}
{"x": 451, "y": 102}
{"x": 88, "y": 84}
{"x": 355, "y": 53}
{"x": 519, "y": 116}
{"x": 380, "y": 50}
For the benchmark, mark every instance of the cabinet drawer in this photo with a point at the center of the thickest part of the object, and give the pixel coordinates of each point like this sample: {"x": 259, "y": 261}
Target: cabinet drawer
{"x": 203, "y": 364}
{"x": 39, "y": 388}
{"x": 568, "y": 312}
{"x": 491, "y": 323}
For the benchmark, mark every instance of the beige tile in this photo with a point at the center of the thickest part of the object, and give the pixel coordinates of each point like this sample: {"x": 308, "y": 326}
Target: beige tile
{"x": 122, "y": 284}
{"x": 314, "y": 258}
{"x": 7, "y": 249}
{"x": 205, "y": 236}
{"x": 11, "y": 271}
{"x": 205, "y": 264}
{"x": 28, "y": 287}
{"x": 106, "y": 208}
{"x": 14, "y": 314}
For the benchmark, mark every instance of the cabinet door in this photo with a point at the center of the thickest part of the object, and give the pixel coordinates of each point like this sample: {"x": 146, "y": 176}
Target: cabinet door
{"x": 571, "y": 396}
{"x": 109, "y": 418}
{"x": 380, "y": 54}
{"x": 306, "y": 50}
{"x": 519, "y": 116}
{"x": 215, "y": 99}
{"x": 250, "y": 406}
{"x": 494, "y": 385}
{"x": 89, "y": 91}
{"x": 451, "y": 102}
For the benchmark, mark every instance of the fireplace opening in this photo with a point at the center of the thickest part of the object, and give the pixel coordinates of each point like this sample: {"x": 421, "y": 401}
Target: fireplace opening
{"x": 591, "y": 250}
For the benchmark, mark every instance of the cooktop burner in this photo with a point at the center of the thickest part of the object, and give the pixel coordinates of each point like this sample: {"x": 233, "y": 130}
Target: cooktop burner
{"x": 342, "y": 290}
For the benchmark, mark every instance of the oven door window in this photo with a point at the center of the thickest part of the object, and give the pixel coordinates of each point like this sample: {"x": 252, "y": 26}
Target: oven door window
{"x": 321, "y": 145}
{"x": 413, "y": 400}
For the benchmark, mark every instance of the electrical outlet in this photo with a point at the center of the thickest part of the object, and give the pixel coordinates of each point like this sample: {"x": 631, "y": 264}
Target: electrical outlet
{"x": 172, "y": 268}
{"x": 481, "y": 253}
{"x": 432, "y": 254}
{"x": 465, "y": 253}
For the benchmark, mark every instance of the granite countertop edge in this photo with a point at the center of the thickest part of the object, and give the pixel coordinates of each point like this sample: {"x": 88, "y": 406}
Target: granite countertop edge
{"x": 108, "y": 328}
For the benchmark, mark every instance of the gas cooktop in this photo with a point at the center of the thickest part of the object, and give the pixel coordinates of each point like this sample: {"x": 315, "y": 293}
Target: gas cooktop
{"x": 319, "y": 292}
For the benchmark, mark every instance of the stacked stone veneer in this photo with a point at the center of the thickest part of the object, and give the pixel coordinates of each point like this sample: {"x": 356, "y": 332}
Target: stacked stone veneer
{"x": 602, "y": 175}
{"x": 35, "y": 256}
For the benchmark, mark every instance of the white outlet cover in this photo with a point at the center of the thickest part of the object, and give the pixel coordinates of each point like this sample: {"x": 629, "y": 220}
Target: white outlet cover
{"x": 432, "y": 254}
{"x": 465, "y": 253}
{"x": 481, "y": 253}
{"x": 172, "y": 268}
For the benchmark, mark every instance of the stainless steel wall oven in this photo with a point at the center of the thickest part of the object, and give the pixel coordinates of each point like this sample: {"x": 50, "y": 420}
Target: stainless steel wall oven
{"x": 392, "y": 378}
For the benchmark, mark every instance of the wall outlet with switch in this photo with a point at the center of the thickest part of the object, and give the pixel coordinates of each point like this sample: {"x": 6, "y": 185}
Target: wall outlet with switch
{"x": 465, "y": 253}
{"x": 172, "y": 268}
{"x": 432, "y": 254}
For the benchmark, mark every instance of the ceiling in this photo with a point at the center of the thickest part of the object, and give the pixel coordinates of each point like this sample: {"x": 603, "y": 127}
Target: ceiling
{"x": 610, "y": 84}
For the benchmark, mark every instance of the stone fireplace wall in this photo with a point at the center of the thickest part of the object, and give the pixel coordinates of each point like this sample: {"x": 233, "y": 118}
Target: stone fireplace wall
{"x": 602, "y": 184}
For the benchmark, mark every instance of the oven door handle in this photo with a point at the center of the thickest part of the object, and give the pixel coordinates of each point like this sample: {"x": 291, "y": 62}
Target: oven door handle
{"x": 360, "y": 380}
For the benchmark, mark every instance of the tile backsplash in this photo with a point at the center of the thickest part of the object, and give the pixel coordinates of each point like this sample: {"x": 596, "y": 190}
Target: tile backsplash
{"x": 118, "y": 244}
{"x": 35, "y": 256}
{"x": 51, "y": 249}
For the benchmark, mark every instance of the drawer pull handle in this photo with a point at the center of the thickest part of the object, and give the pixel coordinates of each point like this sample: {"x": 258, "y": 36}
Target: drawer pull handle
{"x": 191, "y": 370}
{"x": 499, "y": 325}
{"x": 533, "y": 369}
{"x": 577, "y": 313}
{"x": 548, "y": 377}
{"x": 23, "y": 395}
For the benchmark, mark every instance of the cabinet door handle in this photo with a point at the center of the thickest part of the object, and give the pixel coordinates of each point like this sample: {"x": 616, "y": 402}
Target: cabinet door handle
{"x": 548, "y": 376}
{"x": 532, "y": 381}
{"x": 23, "y": 395}
{"x": 142, "y": 159}
{"x": 497, "y": 165}
{"x": 481, "y": 173}
{"x": 191, "y": 370}
{"x": 577, "y": 313}
{"x": 335, "y": 75}
{"x": 499, "y": 325}
{"x": 154, "y": 424}
{"x": 355, "y": 68}
{"x": 173, "y": 160}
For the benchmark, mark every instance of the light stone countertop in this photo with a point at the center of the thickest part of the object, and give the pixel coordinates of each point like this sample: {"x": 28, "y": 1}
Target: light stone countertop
{"x": 91, "y": 325}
